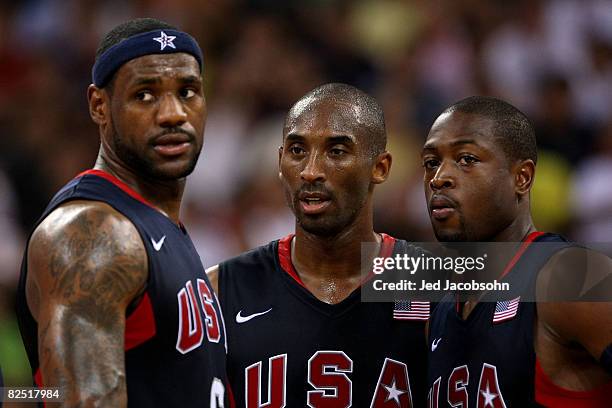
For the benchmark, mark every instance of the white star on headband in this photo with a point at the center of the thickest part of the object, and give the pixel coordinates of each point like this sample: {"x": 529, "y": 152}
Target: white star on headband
{"x": 165, "y": 40}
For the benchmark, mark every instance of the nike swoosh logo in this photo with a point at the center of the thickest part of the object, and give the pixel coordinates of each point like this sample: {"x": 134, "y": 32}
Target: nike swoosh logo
{"x": 434, "y": 344}
{"x": 157, "y": 245}
{"x": 241, "y": 319}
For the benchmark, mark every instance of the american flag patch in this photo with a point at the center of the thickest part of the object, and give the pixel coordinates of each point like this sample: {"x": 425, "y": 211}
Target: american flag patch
{"x": 410, "y": 310}
{"x": 506, "y": 310}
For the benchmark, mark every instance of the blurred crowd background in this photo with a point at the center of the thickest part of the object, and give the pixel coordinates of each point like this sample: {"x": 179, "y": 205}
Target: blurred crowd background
{"x": 552, "y": 59}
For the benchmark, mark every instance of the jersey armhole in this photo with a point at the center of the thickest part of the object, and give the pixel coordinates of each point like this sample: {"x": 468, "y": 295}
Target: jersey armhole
{"x": 550, "y": 394}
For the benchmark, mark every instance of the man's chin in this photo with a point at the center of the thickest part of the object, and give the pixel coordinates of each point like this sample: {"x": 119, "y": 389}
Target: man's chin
{"x": 319, "y": 227}
{"x": 450, "y": 236}
{"x": 172, "y": 172}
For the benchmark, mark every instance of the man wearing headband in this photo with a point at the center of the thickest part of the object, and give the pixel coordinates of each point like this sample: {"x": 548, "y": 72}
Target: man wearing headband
{"x": 114, "y": 305}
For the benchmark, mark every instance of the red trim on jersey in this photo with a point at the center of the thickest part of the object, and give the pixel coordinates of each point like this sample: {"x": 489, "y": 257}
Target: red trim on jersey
{"x": 140, "y": 324}
{"x": 388, "y": 243}
{"x": 530, "y": 238}
{"x": 284, "y": 255}
{"x": 39, "y": 382}
{"x": 551, "y": 395}
{"x": 386, "y": 250}
{"x": 38, "y": 378}
{"x": 230, "y": 395}
{"x": 127, "y": 189}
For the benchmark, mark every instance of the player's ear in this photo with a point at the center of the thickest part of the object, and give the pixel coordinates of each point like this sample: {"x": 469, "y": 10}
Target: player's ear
{"x": 98, "y": 105}
{"x": 524, "y": 173}
{"x": 382, "y": 167}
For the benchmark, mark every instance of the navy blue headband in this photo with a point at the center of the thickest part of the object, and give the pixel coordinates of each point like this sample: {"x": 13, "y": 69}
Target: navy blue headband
{"x": 152, "y": 42}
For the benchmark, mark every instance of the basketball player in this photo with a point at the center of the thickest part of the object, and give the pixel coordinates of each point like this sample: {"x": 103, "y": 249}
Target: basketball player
{"x": 114, "y": 305}
{"x": 298, "y": 332}
{"x": 480, "y": 160}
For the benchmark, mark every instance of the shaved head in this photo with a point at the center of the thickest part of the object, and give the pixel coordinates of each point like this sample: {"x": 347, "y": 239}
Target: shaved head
{"x": 360, "y": 108}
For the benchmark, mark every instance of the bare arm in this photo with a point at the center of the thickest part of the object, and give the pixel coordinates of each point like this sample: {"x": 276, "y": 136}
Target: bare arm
{"x": 86, "y": 262}
{"x": 567, "y": 324}
{"x": 213, "y": 277}
{"x": 575, "y": 273}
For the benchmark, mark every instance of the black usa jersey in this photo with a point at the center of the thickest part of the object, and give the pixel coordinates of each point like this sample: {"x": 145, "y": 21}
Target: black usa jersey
{"x": 175, "y": 337}
{"x": 488, "y": 360}
{"x": 289, "y": 349}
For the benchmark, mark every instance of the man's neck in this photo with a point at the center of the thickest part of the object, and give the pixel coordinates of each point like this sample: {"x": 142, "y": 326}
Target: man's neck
{"x": 338, "y": 256}
{"x": 330, "y": 267}
{"x": 518, "y": 230}
{"x": 164, "y": 195}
